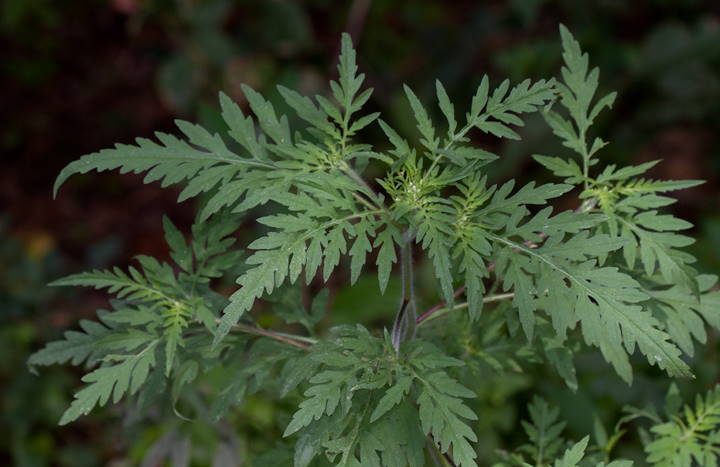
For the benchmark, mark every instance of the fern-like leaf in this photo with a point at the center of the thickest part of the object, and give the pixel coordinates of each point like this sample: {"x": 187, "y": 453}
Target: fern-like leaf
{"x": 694, "y": 438}
{"x": 316, "y": 235}
{"x": 127, "y": 376}
{"x": 543, "y": 431}
{"x": 171, "y": 160}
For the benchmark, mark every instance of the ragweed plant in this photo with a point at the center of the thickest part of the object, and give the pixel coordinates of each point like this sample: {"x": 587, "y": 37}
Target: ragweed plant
{"x": 609, "y": 274}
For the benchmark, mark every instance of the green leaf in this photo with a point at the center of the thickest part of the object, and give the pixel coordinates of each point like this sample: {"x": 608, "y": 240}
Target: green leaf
{"x": 401, "y": 146}
{"x": 362, "y": 122}
{"x": 175, "y": 320}
{"x": 171, "y": 161}
{"x": 300, "y": 241}
{"x": 179, "y": 250}
{"x": 564, "y": 130}
{"x": 76, "y": 347}
{"x": 658, "y": 250}
{"x": 610, "y": 174}
{"x": 335, "y": 386}
{"x": 576, "y": 93}
{"x": 691, "y": 439}
{"x": 682, "y": 310}
{"x": 360, "y": 248}
{"x": 386, "y": 241}
{"x": 350, "y": 82}
{"x": 432, "y": 223}
{"x": 241, "y": 128}
{"x": 446, "y": 107}
{"x": 289, "y": 306}
{"x": 306, "y": 110}
{"x": 133, "y": 286}
{"x": 276, "y": 128}
{"x": 561, "y": 357}
{"x": 561, "y": 167}
{"x": 116, "y": 380}
{"x": 392, "y": 397}
{"x": 573, "y": 455}
{"x": 502, "y": 201}
{"x": 544, "y": 431}
{"x": 479, "y": 99}
{"x": 424, "y": 124}
{"x": 442, "y": 412}
{"x": 604, "y": 300}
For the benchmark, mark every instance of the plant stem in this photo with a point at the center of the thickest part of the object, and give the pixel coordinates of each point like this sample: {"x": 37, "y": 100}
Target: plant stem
{"x": 306, "y": 339}
{"x": 437, "y": 311}
{"x": 300, "y": 342}
{"x": 363, "y": 201}
{"x": 406, "y": 316}
{"x": 439, "y": 458}
{"x": 437, "y": 307}
{"x": 367, "y": 189}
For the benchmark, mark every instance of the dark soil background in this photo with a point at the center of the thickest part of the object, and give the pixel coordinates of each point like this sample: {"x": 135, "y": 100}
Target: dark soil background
{"x": 79, "y": 76}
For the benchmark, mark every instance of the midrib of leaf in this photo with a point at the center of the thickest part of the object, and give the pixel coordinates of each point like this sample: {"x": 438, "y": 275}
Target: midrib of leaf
{"x": 127, "y": 282}
{"x": 158, "y": 293}
{"x": 150, "y": 345}
{"x": 83, "y": 166}
{"x": 239, "y": 161}
{"x": 489, "y": 113}
{"x": 637, "y": 327}
{"x": 372, "y": 202}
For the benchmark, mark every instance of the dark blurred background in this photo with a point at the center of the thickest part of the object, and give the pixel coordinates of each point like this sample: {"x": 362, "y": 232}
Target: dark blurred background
{"x": 78, "y": 76}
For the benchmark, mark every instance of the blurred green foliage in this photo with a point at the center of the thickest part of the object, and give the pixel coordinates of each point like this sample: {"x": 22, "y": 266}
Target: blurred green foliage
{"x": 152, "y": 59}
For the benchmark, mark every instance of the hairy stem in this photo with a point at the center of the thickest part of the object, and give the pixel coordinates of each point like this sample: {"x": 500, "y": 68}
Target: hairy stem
{"x": 405, "y": 319}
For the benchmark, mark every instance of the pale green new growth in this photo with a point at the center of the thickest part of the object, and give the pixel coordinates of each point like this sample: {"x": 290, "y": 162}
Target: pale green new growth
{"x": 548, "y": 448}
{"x": 610, "y": 273}
{"x": 692, "y": 435}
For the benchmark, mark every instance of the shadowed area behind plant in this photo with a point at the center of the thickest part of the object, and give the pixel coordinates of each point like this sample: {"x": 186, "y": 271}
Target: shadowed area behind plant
{"x": 81, "y": 76}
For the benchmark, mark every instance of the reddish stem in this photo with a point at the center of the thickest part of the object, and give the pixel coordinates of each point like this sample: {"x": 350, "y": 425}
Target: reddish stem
{"x": 437, "y": 307}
